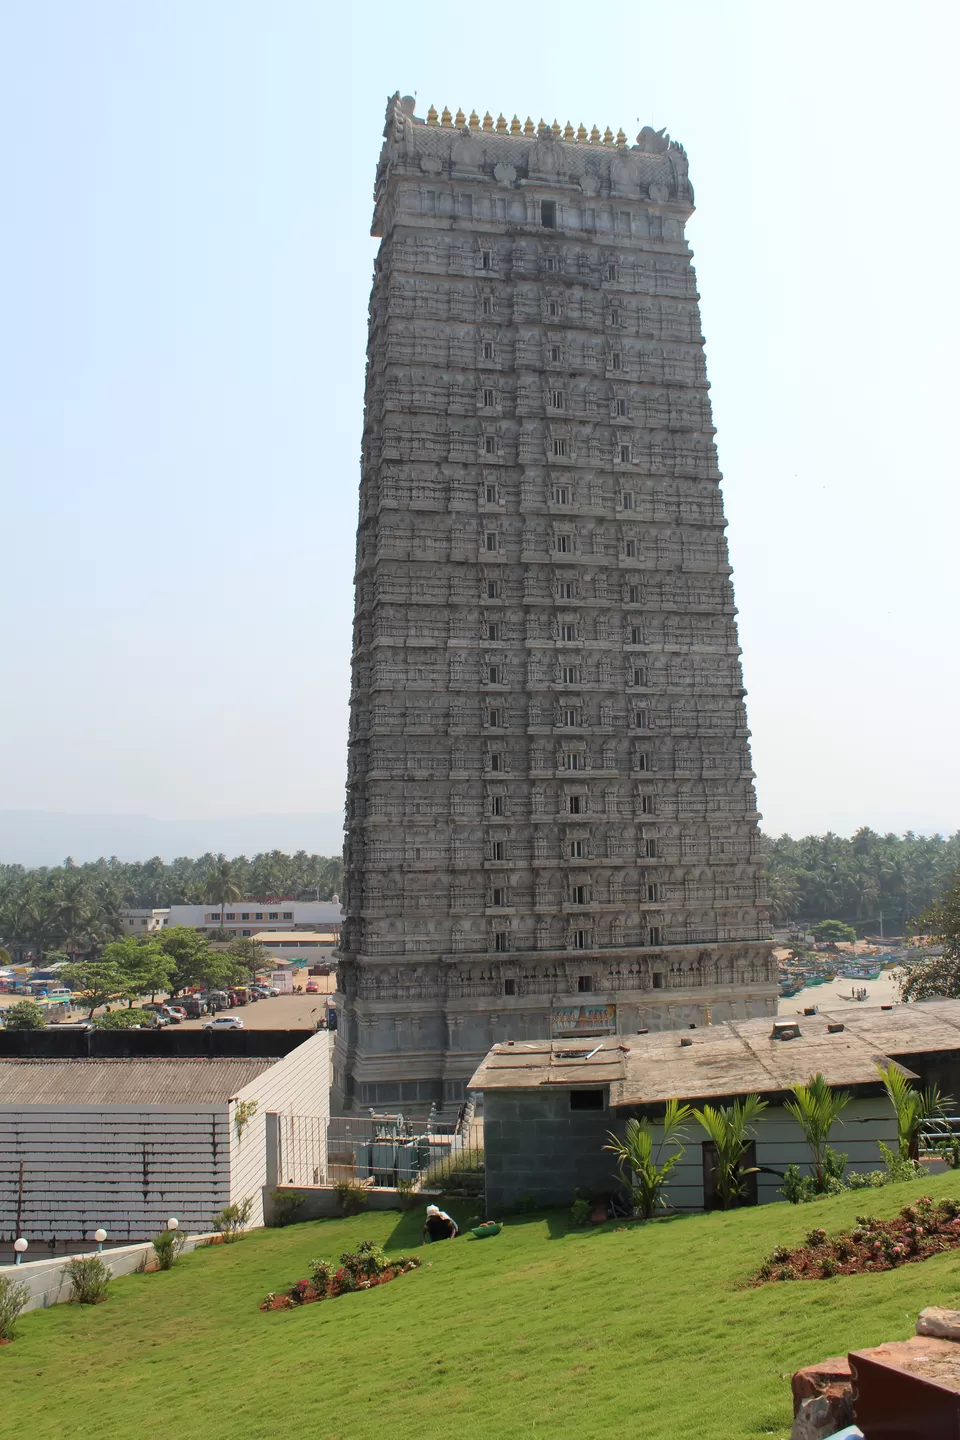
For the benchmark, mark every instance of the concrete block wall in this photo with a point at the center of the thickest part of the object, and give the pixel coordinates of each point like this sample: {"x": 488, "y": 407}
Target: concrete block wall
{"x": 47, "y": 1283}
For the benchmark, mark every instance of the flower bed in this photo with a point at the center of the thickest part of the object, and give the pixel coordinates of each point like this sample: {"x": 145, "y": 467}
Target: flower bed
{"x": 919, "y": 1231}
{"x": 359, "y": 1269}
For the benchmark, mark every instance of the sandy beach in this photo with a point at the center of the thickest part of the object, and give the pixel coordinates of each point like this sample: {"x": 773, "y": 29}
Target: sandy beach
{"x": 835, "y": 994}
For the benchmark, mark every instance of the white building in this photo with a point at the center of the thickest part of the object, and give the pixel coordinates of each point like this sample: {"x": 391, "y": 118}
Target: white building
{"x": 126, "y": 1143}
{"x": 143, "y": 922}
{"x": 271, "y": 912}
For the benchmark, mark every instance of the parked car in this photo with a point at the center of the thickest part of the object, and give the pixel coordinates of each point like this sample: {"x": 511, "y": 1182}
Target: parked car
{"x": 223, "y": 1022}
{"x": 179, "y": 1010}
{"x": 260, "y": 992}
{"x": 165, "y": 1013}
{"x": 313, "y": 988}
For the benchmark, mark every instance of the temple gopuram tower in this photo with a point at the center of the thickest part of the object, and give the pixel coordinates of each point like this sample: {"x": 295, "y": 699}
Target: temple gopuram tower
{"x": 551, "y": 821}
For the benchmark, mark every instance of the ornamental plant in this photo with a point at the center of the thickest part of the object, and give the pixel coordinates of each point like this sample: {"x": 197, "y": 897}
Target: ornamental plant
{"x": 816, "y": 1107}
{"x": 640, "y": 1168}
{"x": 730, "y": 1131}
{"x": 14, "y": 1295}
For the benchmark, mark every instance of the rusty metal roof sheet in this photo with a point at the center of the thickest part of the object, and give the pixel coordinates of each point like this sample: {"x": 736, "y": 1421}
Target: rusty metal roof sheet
{"x": 734, "y": 1058}
{"x": 145, "y": 1083}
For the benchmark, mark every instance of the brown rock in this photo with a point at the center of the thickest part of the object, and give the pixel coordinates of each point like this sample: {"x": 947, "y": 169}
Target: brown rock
{"x": 813, "y": 1380}
{"x": 823, "y": 1415}
{"x": 944, "y": 1324}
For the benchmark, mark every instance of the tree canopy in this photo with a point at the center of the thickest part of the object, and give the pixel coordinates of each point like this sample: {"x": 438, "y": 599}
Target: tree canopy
{"x": 75, "y": 909}
{"x": 937, "y": 976}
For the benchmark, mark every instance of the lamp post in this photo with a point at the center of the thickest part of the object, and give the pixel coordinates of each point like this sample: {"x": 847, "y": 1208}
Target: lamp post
{"x": 99, "y": 1235}
{"x": 20, "y": 1245}
{"x": 173, "y": 1223}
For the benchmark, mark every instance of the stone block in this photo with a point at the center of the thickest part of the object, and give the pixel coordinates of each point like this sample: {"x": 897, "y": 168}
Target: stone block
{"x": 944, "y": 1324}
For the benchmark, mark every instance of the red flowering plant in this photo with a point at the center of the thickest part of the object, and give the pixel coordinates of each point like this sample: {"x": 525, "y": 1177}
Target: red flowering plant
{"x": 360, "y": 1269}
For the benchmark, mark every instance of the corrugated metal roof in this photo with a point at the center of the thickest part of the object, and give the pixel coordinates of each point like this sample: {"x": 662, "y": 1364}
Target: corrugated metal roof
{"x": 734, "y": 1058}
{"x": 125, "y": 1082}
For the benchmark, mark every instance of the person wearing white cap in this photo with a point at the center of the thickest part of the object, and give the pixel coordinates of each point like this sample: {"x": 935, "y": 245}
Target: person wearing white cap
{"x": 439, "y": 1226}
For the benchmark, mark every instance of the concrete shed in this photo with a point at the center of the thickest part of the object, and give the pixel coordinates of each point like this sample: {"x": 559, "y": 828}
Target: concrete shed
{"x": 124, "y": 1143}
{"x": 549, "y": 1107}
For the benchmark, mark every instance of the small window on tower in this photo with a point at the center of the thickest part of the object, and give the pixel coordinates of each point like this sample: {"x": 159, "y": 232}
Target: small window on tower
{"x": 576, "y": 849}
{"x": 488, "y": 398}
{"x": 548, "y": 214}
{"x": 488, "y": 350}
{"x": 575, "y": 803}
{"x": 584, "y": 982}
{"x": 498, "y": 849}
{"x": 499, "y": 896}
{"x": 629, "y": 549}
{"x": 495, "y": 675}
{"x": 561, "y": 495}
{"x": 489, "y": 445}
{"x": 493, "y": 630}
{"x": 639, "y": 676}
{"x": 570, "y": 675}
{"x": 555, "y": 355}
{"x": 509, "y": 986}
{"x": 491, "y": 494}
{"x": 494, "y": 718}
{"x": 553, "y": 307}
{"x": 625, "y": 456}
{"x": 560, "y": 449}
{"x": 492, "y": 543}
{"x": 616, "y": 360}
{"x": 556, "y": 399}
{"x": 501, "y": 940}
{"x": 496, "y": 806}
{"x": 627, "y": 497}
{"x": 635, "y": 597}
{"x": 621, "y": 407}
{"x": 487, "y": 305}
{"x": 636, "y": 635}
{"x": 493, "y": 588}
{"x": 486, "y": 260}
{"x": 568, "y": 632}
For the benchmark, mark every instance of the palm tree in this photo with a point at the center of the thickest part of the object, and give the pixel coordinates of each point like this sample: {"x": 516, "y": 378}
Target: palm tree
{"x": 221, "y": 888}
{"x": 911, "y": 1108}
{"x": 731, "y": 1131}
{"x": 640, "y": 1169}
{"x": 816, "y": 1109}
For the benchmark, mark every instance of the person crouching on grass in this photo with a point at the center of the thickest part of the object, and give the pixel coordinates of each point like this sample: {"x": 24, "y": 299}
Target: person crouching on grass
{"x": 439, "y": 1226}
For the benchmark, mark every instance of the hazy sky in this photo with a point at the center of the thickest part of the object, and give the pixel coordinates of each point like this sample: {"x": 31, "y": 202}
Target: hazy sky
{"x": 185, "y": 271}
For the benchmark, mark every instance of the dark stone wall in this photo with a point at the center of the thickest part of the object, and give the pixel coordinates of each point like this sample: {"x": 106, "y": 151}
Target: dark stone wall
{"x": 536, "y": 1146}
{"x": 172, "y": 1043}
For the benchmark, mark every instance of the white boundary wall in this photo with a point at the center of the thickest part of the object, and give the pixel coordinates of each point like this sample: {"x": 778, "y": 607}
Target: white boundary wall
{"x": 48, "y": 1284}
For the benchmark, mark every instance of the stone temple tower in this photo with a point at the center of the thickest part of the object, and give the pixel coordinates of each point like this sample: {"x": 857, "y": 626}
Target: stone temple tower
{"x": 551, "y": 823}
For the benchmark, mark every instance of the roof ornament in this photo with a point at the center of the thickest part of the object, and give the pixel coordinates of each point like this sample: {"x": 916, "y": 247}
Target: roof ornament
{"x": 474, "y": 120}
{"x": 515, "y": 126}
{"x": 528, "y": 127}
{"x": 556, "y": 129}
{"x": 581, "y": 133}
{"x": 621, "y": 139}
{"x": 501, "y": 124}
{"x": 488, "y": 121}
{"x": 653, "y": 142}
{"x": 432, "y": 115}
{"x": 608, "y": 136}
{"x": 594, "y": 136}
{"x": 460, "y": 120}
{"x": 568, "y": 131}
{"x": 446, "y": 118}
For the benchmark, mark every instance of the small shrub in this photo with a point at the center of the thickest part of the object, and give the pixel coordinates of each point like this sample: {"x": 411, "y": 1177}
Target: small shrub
{"x": 286, "y": 1203}
{"x": 351, "y": 1197}
{"x": 899, "y": 1169}
{"x": 580, "y": 1212}
{"x": 868, "y": 1180}
{"x": 816, "y": 1237}
{"x": 232, "y": 1220}
{"x": 167, "y": 1247}
{"x": 14, "y": 1294}
{"x": 320, "y": 1276}
{"x": 406, "y": 1189}
{"x": 89, "y": 1278}
{"x": 25, "y": 1015}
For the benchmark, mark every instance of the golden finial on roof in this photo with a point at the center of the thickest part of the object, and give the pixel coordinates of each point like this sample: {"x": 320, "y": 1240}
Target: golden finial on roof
{"x": 528, "y": 126}
{"x": 474, "y": 120}
{"x": 488, "y": 121}
{"x": 542, "y": 126}
{"x": 501, "y": 124}
{"x": 432, "y": 115}
{"x": 608, "y": 136}
{"x": 568, "y": 131}
{"x": 556, "y": 129}
{"x": 594, "y": 136}
{"x": 581, "y": 132}
{"x": 515, "y": 126}
{"x": 621, "y": 138}
{"x": 460, "y": 120}
{"x": 446, "y": 117}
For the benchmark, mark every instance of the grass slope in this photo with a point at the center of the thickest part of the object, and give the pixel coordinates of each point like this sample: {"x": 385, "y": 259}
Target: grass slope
{"x": 545, "y": 1331}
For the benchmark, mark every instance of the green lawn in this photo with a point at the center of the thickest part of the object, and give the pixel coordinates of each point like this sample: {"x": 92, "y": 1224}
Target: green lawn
{"x": 545, "y": 1331}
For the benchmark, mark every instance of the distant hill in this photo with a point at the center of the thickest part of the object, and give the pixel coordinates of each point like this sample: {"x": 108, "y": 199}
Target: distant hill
{"x": 47, "y": 837}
